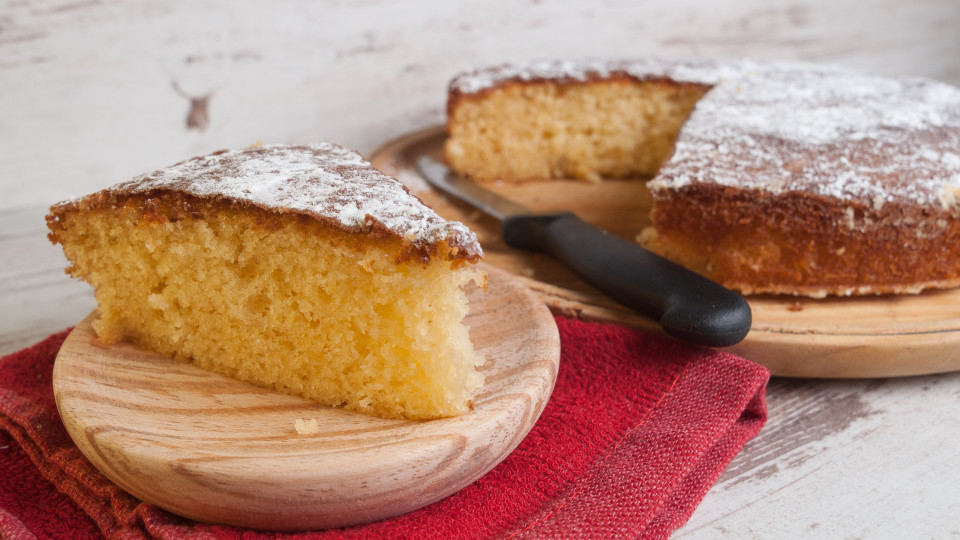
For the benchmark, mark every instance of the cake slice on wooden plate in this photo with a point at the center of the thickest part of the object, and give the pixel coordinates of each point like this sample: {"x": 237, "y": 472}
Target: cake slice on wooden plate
{"x": 301, "y": 268}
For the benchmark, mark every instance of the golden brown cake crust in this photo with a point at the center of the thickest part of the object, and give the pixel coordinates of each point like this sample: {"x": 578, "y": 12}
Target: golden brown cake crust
{"x": 807, "y": 245}
{"x": 323, "y": 182}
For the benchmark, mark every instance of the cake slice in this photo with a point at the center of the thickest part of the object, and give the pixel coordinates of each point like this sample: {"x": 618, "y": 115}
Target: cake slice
{"x": 300, "y": 268}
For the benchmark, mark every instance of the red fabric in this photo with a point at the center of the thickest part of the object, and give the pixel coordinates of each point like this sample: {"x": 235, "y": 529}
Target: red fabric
{"x": 637, "y": 430}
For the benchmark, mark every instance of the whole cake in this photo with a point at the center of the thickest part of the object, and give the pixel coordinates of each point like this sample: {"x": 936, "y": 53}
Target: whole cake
{"x": 301, "y": 268}
{"x": 768, "y": 177}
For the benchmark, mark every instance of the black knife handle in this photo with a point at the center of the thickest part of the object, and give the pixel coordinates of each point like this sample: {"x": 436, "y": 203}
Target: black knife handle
{"x": 689, "y": 306}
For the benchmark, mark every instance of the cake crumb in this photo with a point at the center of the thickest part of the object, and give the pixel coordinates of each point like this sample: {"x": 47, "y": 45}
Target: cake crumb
{"x": 306, "y": 426}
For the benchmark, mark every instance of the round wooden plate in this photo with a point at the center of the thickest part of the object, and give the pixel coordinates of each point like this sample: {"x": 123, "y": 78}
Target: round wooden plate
{"x": 214, "y": 449}
{"x": 878, "y": 336}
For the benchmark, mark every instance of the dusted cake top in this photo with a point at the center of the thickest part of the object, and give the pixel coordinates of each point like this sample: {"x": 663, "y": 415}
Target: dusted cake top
{"x": 322, "y": 180}
{"x": 693, "y": 71}
{"x": 782, "y": 127}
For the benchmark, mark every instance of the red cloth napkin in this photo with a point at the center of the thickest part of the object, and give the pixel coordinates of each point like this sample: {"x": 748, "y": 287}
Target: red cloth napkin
{"x": 637, "y": 430}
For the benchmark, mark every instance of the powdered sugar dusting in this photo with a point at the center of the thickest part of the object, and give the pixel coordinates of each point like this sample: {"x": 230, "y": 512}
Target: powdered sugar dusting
{"x": 322, "y": 180}
{"x": 699, "y": 72}
{"x": 781, "y": 127}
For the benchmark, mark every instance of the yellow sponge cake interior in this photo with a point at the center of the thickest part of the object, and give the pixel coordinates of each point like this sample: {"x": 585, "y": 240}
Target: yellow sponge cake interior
{"x": 532, "y": 130}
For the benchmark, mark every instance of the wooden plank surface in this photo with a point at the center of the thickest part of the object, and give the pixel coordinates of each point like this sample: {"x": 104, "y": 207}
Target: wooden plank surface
{"x": 36, "y": 297}
{"x": 844, "y": 459}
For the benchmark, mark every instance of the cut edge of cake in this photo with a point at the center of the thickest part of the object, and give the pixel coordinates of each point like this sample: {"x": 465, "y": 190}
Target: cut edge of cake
{"x": 893, "y": 219}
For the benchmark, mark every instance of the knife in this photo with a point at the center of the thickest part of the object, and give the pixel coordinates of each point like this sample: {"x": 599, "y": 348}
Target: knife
{"x": 687, "y": 305}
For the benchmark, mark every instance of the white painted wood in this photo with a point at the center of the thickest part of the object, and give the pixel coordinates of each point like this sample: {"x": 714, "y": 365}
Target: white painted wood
{"x": 87, "y": 98}
{"x": 88, "y": 95}
{"x": 844, "y": 459}
{"x": 36, "y": 297}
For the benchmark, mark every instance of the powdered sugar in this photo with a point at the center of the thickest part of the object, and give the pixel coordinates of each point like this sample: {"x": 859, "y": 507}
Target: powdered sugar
{"x": 322, "y": 180}
{"x": 700, "y": 72}
{"x": 780, "y": 127}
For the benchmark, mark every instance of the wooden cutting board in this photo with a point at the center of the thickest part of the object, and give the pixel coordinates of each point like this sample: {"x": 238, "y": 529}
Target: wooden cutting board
{"x": 878, "y": 336}
{"x": 215, "y": 449}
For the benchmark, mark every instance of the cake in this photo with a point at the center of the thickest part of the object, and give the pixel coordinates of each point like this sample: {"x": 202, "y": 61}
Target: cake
{"x": 768, "y": 177}
{"x": 300, "y": 268}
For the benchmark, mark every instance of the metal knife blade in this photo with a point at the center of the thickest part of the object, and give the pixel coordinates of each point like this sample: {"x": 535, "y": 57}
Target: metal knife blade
{"x": 687, "y": 305}
{"x": 488, "y": 202}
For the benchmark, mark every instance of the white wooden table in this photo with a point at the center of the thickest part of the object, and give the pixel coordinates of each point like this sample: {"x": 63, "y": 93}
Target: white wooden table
{"x": 93, "y": 93}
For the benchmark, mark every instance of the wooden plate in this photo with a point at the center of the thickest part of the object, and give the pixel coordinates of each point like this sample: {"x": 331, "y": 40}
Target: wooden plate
{"x": 215, "y": 449}
{"x": 881, "y": 336}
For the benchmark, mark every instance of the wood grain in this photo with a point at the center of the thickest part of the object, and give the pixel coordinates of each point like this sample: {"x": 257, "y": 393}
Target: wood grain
{"x": 215, "y": 449}
{"x": 877, "y": 336}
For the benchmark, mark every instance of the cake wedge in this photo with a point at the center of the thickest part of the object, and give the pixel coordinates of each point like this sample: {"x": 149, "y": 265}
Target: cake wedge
{"x": 300, "y": 268}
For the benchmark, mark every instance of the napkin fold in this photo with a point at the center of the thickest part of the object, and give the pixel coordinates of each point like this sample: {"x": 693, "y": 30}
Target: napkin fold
{"x": 638, "y": 428}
